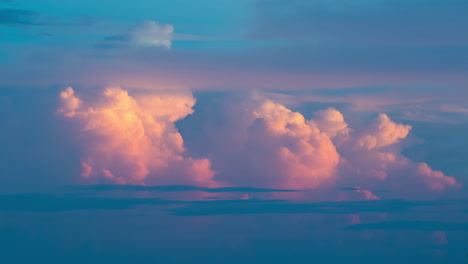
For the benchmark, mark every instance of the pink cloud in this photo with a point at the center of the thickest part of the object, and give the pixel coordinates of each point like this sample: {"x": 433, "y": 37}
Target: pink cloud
{"x": 277, "y": 147}
{"x": 272, "y": 146}
{"x": 133, "y": 139}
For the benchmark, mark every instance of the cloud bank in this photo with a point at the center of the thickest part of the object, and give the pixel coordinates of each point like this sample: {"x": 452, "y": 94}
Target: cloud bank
{"x": 265, "y": 144}
{"x": 132, "y": 139}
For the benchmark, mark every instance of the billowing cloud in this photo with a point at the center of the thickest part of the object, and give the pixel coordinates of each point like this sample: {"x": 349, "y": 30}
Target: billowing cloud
{"x": 144, "y": 34}
{"x": 383, "y": 132}
{"x": 331, "y": 122}
{"x": 371, "y": 159}
{"x": 133, "y": 139}
{"x": 265, "y": 144}
{"x": 281, "y": 148}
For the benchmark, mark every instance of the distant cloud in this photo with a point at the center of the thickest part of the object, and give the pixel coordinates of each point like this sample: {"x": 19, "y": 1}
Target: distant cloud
{"x": 19, "y": 17}
{"x": 454, "y": 109}
{"x": 48, "y": 202}
{"x": 26, "y": 18}
{"x": 144, "y": 34}
{"x": 175, "y": 188}
{"x": 35, "y": 202}
{"x": 248, "y": 207}
{"x": 411, "y": 225}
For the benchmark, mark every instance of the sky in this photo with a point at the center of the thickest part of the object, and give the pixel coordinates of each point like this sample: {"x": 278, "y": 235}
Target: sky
{"x": 247, "y": 131}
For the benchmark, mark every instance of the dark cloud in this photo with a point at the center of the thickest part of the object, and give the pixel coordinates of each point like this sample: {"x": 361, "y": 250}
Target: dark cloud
{"x": 45, "y": 202}
{"x": 62, "y": 203}
{"x": 19, "y": 17}
{"x": 242, "y": 207}
{"x": 411, "y": 225}
{"x": 10, "y": 17}
{"x": 174, "y": 188}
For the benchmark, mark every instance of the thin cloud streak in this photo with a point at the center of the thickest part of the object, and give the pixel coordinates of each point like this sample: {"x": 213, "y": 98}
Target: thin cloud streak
{"x": 175, "y": 188}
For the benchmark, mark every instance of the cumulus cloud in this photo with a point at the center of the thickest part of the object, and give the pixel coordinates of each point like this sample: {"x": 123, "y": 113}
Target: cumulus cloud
{"x": 265, "y": 144}
{"x": 372, "y": 159}
{"x": 383, "y": 132}
{"x": 69, "y": 102}
{"x": 279, "y": 148}
{"x": 133, "y": 139}
{"x": 144, "y": 34}
{"x": 331, "y": 122}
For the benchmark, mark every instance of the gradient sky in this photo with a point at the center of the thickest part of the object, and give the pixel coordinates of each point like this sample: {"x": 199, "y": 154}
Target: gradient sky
{"x": 222, "y": 131}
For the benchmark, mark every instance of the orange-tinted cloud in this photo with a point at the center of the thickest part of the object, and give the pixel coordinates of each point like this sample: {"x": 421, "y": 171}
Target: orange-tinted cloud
{"x": 133, "y": 139}
{"x": 383, "y": 132}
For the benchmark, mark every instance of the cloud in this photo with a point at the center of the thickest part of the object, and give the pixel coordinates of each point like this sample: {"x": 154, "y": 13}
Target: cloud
{"x": 454, "y": 109}
{"x": 36, "y": 202}
{"x": 436, "y": 180}
{"x": 411, "y": 225}
{"x": 243, "y": 207}
{"x": 175, "y": 188}
{"x": 64, "y": 202}
{"x": 261, "y": 143}
{"x": 144, "y": 34}
{"x": 19, "y": 17}
{"x": 332, "y": 123}
{"x": 278, "y": 148}
{"x": 383, "y": 132}
{"x": 133, "y": 139}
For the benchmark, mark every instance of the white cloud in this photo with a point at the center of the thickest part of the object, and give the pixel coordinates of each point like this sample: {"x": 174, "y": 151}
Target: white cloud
{"x": 144, "y": 34}
{"x": 150, "y": 33}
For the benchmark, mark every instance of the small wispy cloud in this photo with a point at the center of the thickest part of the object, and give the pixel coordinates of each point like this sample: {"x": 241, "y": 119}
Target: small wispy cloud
{"x": 173, "y": 188}
{"x": 144, "y": 34}
{"x": 410, "y": 225}
{"x": 454, "y": 109}
{"x": 19, "y": 17}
